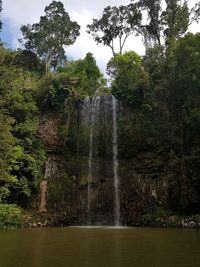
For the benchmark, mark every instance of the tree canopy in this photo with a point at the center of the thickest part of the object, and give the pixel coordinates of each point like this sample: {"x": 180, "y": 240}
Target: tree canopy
{"x": 115, "y": 23}
{"x": 167, "y": 21}
{"x": 48, "y": 37}
{"x": 128, "y": 77}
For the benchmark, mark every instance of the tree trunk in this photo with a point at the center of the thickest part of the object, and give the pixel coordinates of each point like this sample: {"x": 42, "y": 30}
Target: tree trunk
{"x": 46, "y": 65}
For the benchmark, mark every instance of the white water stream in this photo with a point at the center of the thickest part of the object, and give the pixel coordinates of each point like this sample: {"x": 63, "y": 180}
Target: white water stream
{"x": 91, "y": 111}
{"x": 91, "y": 107}
{"x": 115, "y": 163}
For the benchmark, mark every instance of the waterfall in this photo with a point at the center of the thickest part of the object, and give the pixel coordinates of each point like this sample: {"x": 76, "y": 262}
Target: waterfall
{"x": 115, "y": 163}
{"x": 99, "y": 145}
{"x": 91, "y": 107}
{"x": 94, "y": 110}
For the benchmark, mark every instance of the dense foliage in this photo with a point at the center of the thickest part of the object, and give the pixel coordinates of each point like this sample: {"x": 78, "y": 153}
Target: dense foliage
{"x": 164, "y": 86}
{"x": 128, "y": 77}
{"x": 25, "y": 155}
{"x": 25, "y": 92}
{"x": 11, "y": 216}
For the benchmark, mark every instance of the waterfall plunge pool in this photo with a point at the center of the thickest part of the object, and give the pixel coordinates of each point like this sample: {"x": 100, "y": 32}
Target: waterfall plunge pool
{"x": 100, "y": 247}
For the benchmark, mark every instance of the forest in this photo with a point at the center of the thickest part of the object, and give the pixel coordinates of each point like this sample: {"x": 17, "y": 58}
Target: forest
{"x": 162, "y": 88}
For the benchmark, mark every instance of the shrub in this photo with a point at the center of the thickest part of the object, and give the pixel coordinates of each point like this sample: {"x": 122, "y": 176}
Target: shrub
{"x": 11, "y": 216}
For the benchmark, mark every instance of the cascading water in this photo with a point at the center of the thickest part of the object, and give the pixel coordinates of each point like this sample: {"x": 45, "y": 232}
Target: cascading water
{"x": 115, "y": 163}
{"x": 100, "y": 170}
{"x": 95, "y": 110}
{"x": 91, "y": 107}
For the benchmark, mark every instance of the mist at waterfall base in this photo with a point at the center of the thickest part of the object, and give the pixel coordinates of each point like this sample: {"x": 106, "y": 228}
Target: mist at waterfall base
{"x": 91, "y": 112}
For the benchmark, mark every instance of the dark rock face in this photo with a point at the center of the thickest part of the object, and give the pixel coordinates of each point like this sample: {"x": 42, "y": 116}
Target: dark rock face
{"x": 147, "y": 168}
{"x": 68, "y": 191}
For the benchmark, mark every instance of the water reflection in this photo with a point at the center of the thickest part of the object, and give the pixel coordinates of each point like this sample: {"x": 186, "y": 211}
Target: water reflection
{"x": 100, "y": 247}
{"x": 117, "y": 250}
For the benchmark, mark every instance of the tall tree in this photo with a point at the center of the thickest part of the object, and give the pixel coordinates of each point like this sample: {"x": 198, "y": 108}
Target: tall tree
{"x": 166, "y": 24}
{"x": 115, "y": 23}
{"x": 176, "y": 18}
{"x": 48, "y": 37}
{"x": 152, "y": 30}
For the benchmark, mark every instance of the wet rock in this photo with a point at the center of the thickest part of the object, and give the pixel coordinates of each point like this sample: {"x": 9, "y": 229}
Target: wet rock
{"x": 39, "y": 224}
{"x": 48, "y": 131}
{"x": 147, "y": 168}
{"x": 192, "y": 224}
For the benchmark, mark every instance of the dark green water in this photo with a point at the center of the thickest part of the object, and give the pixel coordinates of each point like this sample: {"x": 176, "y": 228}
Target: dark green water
{"x": 99, "y": 247}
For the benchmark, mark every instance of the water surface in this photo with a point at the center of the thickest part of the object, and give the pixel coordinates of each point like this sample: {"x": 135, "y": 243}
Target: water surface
{"x": 100, "y": 247}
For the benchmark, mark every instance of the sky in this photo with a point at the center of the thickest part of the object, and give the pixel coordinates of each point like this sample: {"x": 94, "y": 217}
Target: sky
{"x": 21, "y": 12}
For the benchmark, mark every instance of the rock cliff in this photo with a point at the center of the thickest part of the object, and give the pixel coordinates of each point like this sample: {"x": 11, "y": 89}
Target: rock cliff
{"x": 150, "y": 172}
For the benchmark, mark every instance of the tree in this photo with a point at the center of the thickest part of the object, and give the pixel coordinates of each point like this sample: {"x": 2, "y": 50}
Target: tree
{"x": 154, "y": 63}
{"x": 28, "y": 60}
{"x": 21, "y": 152}
{"x": 116, "y": 22}
{"x": 168, "y": 24}
{"x": 176, "y": 18}
{"x": 90, "y": 78}
{"x": 128, "y": 77}
{"x": 152, "y": 30}
{"x": 184, "y": 82}
{"x": 48, "y": 37}
{"x": 184, "y": 106}
{"x": 85, "y": 77}
{"x": 7, "y": 142}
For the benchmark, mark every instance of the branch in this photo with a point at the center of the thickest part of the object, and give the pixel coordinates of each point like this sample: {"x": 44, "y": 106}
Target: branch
{"x": 127, "y": 35}
{"x": 112, "y": 47}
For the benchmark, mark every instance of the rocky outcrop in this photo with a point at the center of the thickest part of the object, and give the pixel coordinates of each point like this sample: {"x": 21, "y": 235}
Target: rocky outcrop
{"x": 49, "y": 130}
{"x": 43, "y": 198}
